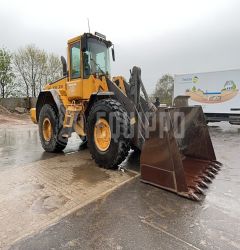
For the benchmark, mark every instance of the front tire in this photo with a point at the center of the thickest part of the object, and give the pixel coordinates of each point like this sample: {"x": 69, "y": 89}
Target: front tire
{"x": 49, "y": 130}
{"x": 108, "y": 147}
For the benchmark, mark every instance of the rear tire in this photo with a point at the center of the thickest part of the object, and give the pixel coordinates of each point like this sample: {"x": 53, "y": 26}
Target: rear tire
{"x": 116, "y": 151}
{"x": 49, "y": 129}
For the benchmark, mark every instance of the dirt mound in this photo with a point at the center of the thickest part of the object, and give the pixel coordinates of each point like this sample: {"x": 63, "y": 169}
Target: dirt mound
{"x": 7, "y": 117}
{"x": 4, "y": 111}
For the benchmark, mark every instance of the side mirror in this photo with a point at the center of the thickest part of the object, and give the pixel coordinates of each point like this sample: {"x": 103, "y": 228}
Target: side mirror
{"x": 113, "y": 54}
{"x": 64, "y": 66}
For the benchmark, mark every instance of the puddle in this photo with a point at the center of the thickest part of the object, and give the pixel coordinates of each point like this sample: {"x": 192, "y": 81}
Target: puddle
{"x": 30, "y": 187}
{"x": 24, "y": 189}
{"x": 48, "y": 204}
{"x": 20, "y": 144}
{"x": 89, "y": 174}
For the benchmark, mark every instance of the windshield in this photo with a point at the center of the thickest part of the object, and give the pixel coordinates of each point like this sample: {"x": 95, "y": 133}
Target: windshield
{"x": 96, "y": 58}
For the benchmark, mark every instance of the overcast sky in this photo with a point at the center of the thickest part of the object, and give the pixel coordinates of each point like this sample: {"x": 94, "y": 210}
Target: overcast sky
{"x": 172, "y": 36}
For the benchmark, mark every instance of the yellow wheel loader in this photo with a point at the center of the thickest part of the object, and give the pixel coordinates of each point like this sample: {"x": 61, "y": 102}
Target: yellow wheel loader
{"x": 112, "y": 116}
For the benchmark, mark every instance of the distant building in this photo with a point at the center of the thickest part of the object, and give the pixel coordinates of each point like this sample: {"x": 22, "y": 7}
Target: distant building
{"x": 229, "y": 85}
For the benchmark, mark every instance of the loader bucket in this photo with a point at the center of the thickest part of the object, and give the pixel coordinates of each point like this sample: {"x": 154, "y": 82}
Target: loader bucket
{"x": 178, "y": 154}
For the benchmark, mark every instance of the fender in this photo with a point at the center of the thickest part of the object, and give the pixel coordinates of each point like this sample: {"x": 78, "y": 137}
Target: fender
{"x": 50, "y": 97}
{"x": 97, "y": 96}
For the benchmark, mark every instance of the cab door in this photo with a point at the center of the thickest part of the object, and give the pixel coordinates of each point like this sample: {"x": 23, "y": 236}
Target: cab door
{"x": 75, "y": 83}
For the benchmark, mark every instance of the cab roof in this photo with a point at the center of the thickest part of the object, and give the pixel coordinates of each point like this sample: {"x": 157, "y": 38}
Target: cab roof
{"x": 88, "y": 35}
{"x": 74, "y": 39}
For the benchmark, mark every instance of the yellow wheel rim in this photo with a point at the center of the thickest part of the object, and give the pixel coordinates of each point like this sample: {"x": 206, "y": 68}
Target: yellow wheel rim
{"x": 47, "y": 129}
{"x": 102, "y": 134}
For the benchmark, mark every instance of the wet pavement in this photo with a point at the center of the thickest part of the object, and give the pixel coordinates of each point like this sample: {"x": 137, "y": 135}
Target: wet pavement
{"x": 139, "y": 216}
{"x": 20, "y": 144}
{"x": 39, "y": 189}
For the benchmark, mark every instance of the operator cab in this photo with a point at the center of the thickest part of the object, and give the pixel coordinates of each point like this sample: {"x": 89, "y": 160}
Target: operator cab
{"x": 88, "y": 62}
{"x": 89, "y": 55}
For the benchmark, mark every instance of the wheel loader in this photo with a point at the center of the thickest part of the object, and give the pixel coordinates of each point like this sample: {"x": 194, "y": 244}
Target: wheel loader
{"x": 112, "y": 117}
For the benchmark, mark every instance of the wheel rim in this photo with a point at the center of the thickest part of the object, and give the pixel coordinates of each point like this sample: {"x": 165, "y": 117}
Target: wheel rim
{"x": 102, "y": 134}
{"x": 47, "y": 129}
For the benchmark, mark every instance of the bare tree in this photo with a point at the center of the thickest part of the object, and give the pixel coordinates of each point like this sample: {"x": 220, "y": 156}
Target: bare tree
{"x": 6, "y": 73}
{"x": 35, "y": 68}
{"x": 164, "y": 89}
{"x": 30, "y": 64}
{"x": 54, "y": 68}
{"x": 52, "y": 72}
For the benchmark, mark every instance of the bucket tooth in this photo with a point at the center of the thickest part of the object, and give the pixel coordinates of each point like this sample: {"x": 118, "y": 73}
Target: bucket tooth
{"x": 215, "y": 166}
{"x": 199, "y": 190}
{"x": 210, "y": 174}
{"x": 218, "y": 163}
{"x": 213, "y": 169}
{"x": 203, "y": 184}
{"x": 206, "y": 178}
{"x": 193, "y": 196}
{"x": 213, "y": 174}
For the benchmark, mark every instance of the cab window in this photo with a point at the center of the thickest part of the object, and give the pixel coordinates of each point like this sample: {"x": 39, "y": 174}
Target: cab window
{"x": 75, "y": 60}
